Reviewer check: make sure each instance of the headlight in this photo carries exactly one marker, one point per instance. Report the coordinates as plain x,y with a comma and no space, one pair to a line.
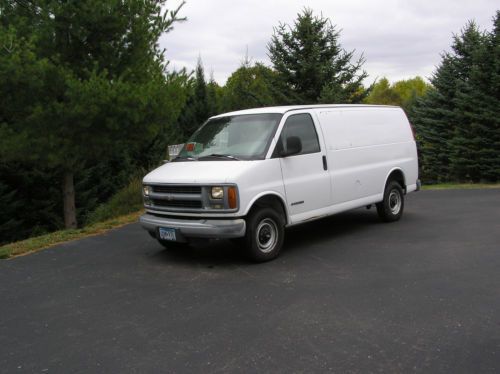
217,192
146,190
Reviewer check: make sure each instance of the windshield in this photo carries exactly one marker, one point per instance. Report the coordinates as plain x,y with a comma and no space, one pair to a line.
243,137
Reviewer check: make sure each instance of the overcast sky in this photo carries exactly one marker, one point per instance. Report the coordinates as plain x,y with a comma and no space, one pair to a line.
399,39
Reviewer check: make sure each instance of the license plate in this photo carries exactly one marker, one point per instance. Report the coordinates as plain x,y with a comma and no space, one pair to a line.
167,233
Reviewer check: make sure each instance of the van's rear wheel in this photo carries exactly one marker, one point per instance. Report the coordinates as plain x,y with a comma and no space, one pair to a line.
391,208
265,234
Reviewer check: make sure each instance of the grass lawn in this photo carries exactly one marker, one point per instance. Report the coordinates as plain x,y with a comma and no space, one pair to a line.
40,242
458,186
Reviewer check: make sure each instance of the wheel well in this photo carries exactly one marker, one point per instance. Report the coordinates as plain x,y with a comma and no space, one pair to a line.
271,201
398,176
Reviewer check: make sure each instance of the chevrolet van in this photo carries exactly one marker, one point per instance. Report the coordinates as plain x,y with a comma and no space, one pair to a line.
247,175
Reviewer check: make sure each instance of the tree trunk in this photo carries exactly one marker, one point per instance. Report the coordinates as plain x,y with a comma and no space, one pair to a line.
69,201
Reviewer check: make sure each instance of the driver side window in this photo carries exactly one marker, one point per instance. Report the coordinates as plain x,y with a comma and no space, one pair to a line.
301,126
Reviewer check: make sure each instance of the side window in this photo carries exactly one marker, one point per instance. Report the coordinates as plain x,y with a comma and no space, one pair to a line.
302,126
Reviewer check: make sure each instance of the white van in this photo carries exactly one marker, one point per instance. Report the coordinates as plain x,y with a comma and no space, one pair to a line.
247,175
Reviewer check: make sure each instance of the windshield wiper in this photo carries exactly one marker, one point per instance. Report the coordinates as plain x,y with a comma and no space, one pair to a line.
183,158
218,155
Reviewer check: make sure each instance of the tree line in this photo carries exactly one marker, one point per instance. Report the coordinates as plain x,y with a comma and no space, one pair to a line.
89,101
458,120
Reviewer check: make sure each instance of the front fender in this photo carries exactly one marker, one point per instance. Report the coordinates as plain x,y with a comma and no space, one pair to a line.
268,193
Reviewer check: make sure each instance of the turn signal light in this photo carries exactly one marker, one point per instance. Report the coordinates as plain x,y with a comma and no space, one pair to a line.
231,197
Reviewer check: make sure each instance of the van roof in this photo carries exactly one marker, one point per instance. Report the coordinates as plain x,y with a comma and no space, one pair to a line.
289,108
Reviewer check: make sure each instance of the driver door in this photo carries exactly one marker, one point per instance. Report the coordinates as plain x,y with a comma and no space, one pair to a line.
305,174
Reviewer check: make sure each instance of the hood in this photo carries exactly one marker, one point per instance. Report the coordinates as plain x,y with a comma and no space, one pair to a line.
200,172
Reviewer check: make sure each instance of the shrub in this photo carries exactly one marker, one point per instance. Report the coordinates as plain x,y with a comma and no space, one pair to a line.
126,200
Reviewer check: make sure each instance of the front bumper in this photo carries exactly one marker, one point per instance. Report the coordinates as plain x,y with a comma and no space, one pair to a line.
197,228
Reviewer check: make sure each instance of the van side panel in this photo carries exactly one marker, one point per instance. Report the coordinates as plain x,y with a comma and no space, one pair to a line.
363,146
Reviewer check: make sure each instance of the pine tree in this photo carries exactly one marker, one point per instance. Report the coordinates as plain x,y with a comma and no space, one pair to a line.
213,96
9,219
458,120
434,118
201,106
468,139
312,66
479,103
490,84
202,103
79,81
30,201
196,110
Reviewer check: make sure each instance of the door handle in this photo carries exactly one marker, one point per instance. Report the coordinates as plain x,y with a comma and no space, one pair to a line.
325,165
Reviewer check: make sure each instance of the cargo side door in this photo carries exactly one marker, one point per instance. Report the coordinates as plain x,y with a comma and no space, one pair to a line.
305,174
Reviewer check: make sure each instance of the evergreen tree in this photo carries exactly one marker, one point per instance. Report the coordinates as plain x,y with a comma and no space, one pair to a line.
198,108
434,119
467,140
476,144
458,120
30,203
80,81
9,218
177,91
312,66
490,87
213,97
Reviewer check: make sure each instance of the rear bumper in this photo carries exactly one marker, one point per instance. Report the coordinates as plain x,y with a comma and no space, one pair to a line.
198,228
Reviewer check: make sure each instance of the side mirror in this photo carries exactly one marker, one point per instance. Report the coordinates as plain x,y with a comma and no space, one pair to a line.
293,146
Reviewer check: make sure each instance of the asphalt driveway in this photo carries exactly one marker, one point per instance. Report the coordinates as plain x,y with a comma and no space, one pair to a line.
347,294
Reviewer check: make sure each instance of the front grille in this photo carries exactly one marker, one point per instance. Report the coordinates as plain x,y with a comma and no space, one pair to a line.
191,204
188,190
176,197
189,198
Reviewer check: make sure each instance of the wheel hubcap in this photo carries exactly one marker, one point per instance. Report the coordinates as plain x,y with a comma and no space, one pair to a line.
267,235
395,201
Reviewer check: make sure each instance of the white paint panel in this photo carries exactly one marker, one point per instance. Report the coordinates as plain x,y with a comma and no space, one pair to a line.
351,128
307,184
363,146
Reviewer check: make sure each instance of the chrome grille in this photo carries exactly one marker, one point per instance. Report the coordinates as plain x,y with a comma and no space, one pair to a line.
189,198
175,197
192,204
188,190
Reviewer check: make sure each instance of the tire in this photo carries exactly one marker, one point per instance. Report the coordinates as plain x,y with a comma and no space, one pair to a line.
391,208
265,234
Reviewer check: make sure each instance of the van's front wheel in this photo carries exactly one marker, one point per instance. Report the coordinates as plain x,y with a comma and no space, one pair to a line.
265,234
391,208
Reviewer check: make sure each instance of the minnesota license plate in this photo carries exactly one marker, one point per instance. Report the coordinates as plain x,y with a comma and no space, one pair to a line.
167,233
